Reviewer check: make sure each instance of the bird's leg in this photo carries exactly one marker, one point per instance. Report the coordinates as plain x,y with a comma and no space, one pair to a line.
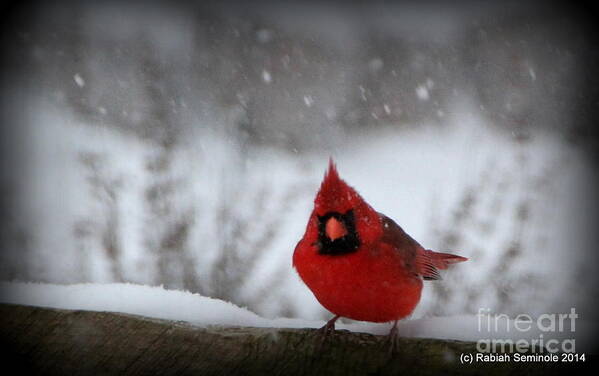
328,328
324,333
393,338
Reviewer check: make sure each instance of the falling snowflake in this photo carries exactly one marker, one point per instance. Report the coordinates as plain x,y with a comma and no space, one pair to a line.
532,74
308,100
422,92
79,80
266,76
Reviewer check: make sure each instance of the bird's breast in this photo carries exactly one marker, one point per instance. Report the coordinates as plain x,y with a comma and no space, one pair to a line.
372,284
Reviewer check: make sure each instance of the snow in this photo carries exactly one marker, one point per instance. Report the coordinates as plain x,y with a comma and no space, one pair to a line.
308,100
532,73
155,302
362,92
79,80
422,92
266,76
174,305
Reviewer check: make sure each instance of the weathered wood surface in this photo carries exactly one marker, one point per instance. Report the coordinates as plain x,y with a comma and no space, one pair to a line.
62,342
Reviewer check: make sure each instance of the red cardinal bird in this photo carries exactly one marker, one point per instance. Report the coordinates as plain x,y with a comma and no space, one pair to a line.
359,263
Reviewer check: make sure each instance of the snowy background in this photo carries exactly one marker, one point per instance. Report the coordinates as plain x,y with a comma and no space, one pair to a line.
182,145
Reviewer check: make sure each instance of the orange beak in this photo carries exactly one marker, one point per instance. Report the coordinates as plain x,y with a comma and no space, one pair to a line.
335,229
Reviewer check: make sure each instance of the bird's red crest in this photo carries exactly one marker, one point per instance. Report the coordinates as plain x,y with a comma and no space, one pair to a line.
335,195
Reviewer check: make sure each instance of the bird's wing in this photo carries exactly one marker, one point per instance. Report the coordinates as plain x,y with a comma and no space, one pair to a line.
417,259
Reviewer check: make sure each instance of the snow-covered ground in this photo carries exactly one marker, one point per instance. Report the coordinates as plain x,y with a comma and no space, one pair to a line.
157,302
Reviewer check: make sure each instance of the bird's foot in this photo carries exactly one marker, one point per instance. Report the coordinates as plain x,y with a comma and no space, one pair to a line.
393,339
328,329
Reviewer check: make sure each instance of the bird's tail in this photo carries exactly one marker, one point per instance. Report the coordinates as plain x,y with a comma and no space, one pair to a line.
428,262
442,260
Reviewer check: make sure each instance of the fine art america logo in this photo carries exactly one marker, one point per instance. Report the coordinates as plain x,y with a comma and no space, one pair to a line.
548,333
